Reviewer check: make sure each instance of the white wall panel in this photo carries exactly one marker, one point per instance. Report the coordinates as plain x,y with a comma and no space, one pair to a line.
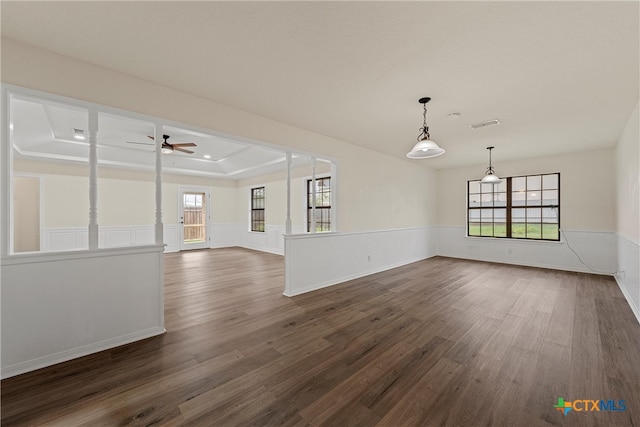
73,238
59,306
597,250
62,239
314,261
170,235
144,236
119,237
628,277
224,235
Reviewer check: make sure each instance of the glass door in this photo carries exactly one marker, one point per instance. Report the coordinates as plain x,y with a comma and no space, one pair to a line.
193,218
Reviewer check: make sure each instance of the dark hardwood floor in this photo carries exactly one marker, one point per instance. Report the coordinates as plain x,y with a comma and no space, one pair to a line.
438,342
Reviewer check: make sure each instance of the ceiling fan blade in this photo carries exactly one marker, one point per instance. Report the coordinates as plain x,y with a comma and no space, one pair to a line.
184,144
140,143
183,150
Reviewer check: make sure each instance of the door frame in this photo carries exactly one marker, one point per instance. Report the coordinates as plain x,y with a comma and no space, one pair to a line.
193,189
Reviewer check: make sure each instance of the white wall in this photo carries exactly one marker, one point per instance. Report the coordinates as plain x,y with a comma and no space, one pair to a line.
276,195
369,200
627,180
581,190
587,214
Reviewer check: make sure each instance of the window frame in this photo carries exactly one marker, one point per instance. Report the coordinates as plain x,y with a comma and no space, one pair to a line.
510,207
328,209
253,210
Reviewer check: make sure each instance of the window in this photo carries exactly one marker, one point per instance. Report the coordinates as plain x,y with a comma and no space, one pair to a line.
257,209
521,207
323,204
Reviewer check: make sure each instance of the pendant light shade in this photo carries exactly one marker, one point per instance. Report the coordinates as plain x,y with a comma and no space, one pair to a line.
425,147
490,176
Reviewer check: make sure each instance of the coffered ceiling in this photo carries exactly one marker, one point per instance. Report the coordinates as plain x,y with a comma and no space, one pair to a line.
52,131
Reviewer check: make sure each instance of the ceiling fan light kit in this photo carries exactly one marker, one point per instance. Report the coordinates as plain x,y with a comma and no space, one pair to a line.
79,134
425,147
490,176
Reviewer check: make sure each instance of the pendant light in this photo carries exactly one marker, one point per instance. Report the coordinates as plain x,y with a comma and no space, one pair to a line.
425,147
490,176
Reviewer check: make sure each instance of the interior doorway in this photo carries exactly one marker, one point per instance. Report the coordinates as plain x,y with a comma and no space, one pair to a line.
194,213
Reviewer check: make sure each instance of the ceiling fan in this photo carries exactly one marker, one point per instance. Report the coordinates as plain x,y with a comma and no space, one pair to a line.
166,146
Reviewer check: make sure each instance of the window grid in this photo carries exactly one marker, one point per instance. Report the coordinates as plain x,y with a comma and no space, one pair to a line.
257,209
323,204
521,207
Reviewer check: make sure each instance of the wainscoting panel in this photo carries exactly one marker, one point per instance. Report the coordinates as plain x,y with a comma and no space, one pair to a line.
314,261
628,276
66,305
74,238
224,235
170,235
145,236
119,237
63,240
595,248
271,240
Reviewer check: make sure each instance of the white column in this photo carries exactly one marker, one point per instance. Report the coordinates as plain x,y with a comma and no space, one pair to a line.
287,222
313,195
6,169
159,225
93,179
334,197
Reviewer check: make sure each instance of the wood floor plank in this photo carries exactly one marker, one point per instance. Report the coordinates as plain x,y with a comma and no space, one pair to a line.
438,342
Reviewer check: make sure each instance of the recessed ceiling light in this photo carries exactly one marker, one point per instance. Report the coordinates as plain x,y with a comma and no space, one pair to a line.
207,156
454,115
79,134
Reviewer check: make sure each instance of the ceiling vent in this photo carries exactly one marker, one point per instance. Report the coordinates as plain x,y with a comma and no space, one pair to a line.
485,124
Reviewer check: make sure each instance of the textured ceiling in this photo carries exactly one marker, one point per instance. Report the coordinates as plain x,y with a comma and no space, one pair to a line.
560,76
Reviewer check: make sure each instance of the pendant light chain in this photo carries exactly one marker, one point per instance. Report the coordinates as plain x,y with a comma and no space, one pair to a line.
490,166
424,130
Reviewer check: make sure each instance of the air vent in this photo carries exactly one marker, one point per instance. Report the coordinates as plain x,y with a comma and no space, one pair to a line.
485,124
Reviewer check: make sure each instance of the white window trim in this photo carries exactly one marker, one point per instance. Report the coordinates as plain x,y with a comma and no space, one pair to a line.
304,201
249,220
